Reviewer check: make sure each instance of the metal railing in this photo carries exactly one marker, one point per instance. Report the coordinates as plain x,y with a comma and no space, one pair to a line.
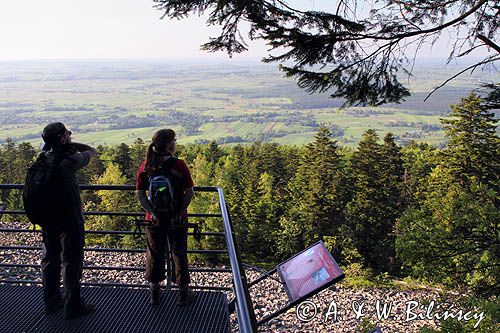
243,304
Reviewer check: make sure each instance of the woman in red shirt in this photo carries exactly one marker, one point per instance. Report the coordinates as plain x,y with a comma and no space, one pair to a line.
159,154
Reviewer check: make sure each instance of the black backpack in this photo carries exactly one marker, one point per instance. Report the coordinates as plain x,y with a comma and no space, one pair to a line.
44,197
165,191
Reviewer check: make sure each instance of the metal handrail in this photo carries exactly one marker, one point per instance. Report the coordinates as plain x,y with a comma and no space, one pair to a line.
106,232
245,315
106,249
121,268
94,213
247,321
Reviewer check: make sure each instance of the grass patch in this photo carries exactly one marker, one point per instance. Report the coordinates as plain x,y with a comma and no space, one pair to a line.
358,277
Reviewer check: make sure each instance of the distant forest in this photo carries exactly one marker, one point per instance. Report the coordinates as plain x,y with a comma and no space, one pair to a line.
416,210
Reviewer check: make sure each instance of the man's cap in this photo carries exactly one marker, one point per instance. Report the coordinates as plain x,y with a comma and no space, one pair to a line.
52,132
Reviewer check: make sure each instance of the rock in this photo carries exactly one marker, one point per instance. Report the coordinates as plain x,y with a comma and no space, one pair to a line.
267,296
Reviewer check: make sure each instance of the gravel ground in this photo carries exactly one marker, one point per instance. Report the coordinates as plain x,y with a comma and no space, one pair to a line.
335,307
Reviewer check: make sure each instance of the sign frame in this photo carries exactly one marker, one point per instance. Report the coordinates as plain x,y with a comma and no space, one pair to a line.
294,296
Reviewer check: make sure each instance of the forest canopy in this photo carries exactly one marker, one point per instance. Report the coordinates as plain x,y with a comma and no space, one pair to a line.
416,210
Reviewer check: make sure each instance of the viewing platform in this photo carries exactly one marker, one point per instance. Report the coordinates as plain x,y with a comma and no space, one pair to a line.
120,310
113,278
122,307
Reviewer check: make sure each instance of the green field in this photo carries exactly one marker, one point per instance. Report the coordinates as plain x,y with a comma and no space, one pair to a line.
109,103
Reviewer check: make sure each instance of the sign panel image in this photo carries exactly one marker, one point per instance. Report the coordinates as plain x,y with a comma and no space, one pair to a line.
309,272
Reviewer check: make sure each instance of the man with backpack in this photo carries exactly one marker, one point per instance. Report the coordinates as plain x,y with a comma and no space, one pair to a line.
52,200
170,190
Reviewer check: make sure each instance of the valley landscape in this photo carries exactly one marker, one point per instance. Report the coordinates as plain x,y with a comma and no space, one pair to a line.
113,101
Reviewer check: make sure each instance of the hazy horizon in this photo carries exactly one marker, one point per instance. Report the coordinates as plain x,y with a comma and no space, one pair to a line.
127,29
209,61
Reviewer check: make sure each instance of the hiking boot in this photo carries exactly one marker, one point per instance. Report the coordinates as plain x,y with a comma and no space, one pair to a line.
84,310
186,297
154,295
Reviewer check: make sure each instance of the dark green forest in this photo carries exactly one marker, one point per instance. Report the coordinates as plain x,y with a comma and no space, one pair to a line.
432,214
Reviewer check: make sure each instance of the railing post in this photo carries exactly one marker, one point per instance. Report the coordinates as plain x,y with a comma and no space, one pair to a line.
244,307
3,197
3,200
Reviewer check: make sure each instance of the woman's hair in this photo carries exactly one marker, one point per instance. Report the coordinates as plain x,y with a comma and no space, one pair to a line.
158,148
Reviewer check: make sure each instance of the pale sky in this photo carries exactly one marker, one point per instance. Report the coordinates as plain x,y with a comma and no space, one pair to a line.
79,29
36,29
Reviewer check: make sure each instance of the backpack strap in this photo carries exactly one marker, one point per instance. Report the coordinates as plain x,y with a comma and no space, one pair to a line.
58,158
41,157
169,163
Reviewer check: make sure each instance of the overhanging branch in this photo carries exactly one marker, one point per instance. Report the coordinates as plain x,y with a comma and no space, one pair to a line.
489,42
472,67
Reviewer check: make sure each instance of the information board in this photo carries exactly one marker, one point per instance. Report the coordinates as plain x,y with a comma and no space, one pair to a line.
309,272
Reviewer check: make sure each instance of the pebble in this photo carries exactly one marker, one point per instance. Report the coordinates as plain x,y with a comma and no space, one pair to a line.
267,296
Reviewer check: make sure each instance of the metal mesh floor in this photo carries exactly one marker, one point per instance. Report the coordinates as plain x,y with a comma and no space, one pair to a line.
117,310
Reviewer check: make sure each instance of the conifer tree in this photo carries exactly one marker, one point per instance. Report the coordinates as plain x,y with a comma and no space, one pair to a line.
377,173
201,172
94,169
268,211
272,162
230,179
208,203
418,160
15,159
213,152
19,157
317,195
3,165
9,158
112,201
123,159
363,211
137,155
453,235
392,173
473,150
234,167
250,222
